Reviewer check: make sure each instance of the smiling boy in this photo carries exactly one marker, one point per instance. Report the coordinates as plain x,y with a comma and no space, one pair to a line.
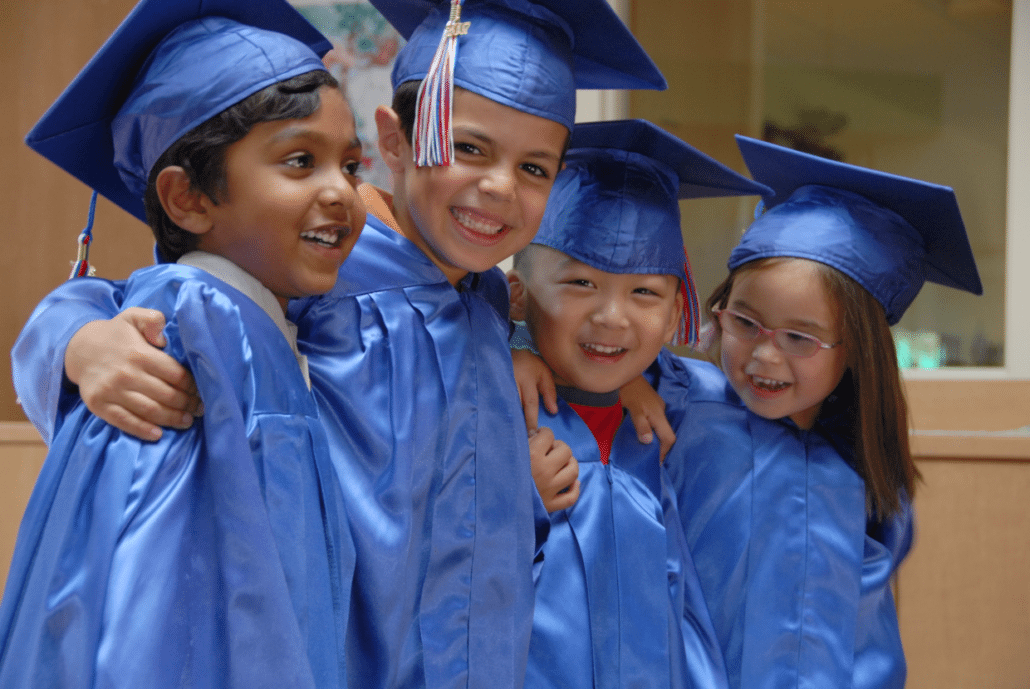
219,556
602,288
408,353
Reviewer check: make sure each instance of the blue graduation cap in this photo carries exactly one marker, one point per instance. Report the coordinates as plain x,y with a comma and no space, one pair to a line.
530,55
169,66
889,233
615,206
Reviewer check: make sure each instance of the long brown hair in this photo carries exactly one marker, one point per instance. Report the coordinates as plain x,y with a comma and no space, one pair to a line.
871,389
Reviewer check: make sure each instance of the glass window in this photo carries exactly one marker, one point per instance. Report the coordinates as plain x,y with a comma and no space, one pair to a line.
915,87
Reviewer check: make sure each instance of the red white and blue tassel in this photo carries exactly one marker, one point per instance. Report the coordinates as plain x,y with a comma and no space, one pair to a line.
687,333
81,267
433,140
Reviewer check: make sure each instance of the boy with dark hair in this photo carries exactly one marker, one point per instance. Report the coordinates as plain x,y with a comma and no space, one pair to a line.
409,353
602,288
219,556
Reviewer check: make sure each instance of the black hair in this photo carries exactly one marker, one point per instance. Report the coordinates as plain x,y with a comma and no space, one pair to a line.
201,151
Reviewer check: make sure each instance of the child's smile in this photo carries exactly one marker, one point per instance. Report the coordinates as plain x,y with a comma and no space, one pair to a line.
487,205
595,330
291,214
787,293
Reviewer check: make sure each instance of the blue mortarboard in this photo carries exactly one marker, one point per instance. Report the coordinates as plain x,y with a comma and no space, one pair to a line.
161,73
615,206
887,232
530,55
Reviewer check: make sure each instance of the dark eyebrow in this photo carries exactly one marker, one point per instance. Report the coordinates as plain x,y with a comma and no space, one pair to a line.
302,132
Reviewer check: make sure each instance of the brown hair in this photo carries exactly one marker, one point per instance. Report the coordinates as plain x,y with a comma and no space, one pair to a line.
870,391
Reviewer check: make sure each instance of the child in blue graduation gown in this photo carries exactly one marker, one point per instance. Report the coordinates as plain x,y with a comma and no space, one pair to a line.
408,353
219,556
602,288
791,464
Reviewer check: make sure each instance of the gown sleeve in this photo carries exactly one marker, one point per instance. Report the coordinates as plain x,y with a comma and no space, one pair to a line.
797,581
218,556
37,359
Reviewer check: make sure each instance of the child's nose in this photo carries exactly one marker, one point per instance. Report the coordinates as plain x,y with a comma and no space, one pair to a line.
765,349
337,189
611,314
499,181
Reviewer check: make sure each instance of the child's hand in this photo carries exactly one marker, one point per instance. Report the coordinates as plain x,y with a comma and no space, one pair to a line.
535,382
125,380
647,412
555,470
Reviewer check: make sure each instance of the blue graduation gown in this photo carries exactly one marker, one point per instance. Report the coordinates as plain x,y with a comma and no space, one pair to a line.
618,601
414,386
797,582
219,556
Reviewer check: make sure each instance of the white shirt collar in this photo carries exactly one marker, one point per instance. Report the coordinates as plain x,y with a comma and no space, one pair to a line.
230,273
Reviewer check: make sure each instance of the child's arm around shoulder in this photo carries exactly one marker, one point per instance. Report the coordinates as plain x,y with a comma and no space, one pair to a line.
71,322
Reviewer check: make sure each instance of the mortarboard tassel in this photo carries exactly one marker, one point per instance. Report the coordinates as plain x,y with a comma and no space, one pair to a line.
81,267
433,141
687,333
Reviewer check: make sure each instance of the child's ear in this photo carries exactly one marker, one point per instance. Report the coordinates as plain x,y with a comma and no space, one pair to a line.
186,207
392,141
517,296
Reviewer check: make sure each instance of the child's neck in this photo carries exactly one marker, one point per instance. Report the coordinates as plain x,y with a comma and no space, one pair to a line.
380,204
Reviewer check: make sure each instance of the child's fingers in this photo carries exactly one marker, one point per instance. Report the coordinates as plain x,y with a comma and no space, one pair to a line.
149,322
548,392
565,500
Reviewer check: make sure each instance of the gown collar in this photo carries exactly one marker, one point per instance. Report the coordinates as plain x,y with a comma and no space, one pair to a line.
234,276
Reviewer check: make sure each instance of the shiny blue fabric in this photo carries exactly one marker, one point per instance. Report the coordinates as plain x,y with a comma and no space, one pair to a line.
618,602
219,556
414,387
414,382
797,581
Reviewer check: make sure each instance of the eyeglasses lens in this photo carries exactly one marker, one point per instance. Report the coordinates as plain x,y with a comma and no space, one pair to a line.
789,341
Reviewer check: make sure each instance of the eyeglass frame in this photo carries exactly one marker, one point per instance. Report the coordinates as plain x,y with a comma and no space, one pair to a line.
771,334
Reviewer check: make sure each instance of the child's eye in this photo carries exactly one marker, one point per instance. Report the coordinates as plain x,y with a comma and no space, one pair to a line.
301,160
647,291
352,168
464,147
798,338
580,282
536,170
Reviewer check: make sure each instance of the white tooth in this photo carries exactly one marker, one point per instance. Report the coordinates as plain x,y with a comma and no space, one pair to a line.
603,349
476,224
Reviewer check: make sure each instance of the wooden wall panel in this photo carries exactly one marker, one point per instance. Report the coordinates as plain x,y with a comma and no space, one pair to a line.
964,592
43,45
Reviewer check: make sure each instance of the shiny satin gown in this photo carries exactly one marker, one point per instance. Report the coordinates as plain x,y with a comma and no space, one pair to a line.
414,387
797,581
219,556
618,601
414,382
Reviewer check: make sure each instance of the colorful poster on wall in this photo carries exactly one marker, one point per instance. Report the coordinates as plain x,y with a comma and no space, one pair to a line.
364,47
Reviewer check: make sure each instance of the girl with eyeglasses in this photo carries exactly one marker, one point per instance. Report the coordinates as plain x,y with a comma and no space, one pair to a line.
791,464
